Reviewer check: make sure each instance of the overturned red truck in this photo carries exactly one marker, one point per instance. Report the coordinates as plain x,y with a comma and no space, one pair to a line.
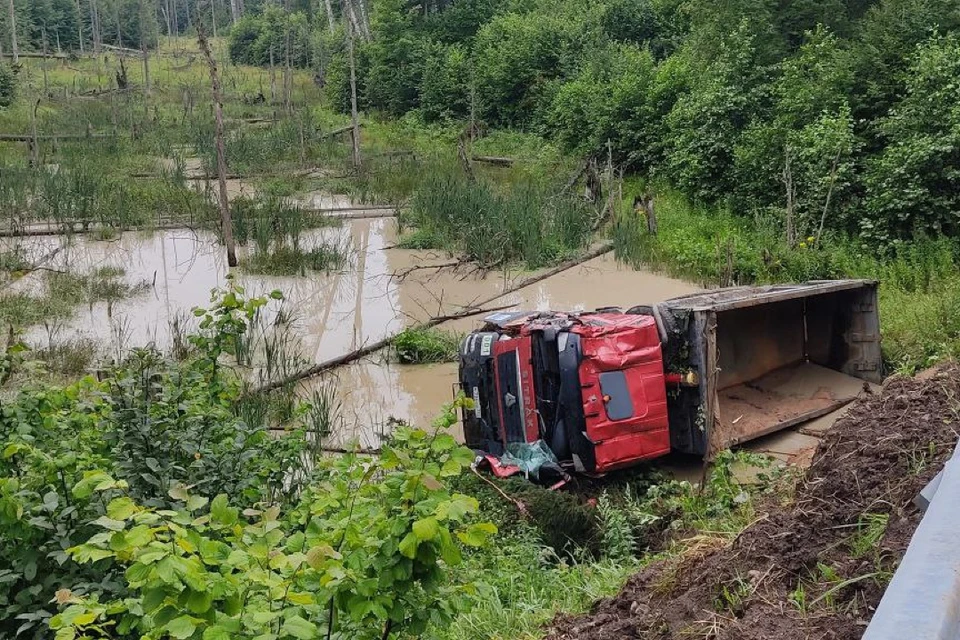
606,389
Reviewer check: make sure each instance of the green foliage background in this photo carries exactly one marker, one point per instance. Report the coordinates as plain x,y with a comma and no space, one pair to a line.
855,99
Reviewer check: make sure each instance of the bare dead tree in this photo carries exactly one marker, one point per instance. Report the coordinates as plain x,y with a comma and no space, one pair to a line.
95,28
791,189
273,79
13,32
43,64
35,140
146,59
235,10
826,202
331,21
287,71
465,157
79,26
354,115
225,220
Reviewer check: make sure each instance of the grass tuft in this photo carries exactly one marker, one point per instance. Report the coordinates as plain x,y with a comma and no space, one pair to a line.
418,346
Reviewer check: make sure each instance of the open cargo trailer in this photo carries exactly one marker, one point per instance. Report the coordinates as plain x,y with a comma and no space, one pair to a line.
768,357
693,374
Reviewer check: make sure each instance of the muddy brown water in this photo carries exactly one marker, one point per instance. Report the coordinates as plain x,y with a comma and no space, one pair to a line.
380,291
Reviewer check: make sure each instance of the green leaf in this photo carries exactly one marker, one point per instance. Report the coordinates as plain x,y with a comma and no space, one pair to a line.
408,546
153,598
276,294
450,468
443,442
13,449
182,627
298,597
316,555
300,628
463,455
137,572
221,512
121,508
216,632
89,553
196,502
199,601
139,536
109,523
449,551
179,492
426,529
477,534
457,507
85,618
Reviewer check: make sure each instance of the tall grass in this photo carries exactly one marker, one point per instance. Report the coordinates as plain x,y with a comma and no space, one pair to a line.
527,222
62,292
276,229
79,192
418,345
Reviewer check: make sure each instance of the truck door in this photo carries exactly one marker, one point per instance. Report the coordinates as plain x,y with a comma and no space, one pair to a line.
515,393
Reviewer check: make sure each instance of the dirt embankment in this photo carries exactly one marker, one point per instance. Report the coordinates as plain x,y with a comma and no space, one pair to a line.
815,568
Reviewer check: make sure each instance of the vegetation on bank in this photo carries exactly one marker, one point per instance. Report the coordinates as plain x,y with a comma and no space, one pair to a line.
147,503
421,346
919,303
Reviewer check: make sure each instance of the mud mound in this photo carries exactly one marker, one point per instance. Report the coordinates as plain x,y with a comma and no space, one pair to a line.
813,569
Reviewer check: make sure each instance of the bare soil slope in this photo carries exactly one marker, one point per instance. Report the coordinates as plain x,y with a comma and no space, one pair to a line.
827,541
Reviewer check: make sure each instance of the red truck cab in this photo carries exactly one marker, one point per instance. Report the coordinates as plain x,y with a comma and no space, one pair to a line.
590,385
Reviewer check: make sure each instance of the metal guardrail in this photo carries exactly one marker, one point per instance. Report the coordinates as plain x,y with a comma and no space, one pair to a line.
922,601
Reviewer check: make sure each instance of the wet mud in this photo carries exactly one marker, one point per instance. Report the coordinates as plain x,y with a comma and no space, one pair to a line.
865,466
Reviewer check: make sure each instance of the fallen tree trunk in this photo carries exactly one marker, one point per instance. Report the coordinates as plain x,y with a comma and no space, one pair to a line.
54,231
52,56
495,160
476,309
340,131
26,137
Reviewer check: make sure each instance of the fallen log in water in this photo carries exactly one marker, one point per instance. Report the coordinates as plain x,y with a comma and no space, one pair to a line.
27,137
477,309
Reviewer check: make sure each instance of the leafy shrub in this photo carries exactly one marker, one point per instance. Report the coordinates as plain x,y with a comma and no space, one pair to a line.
260,39
446,88
517,55
914,185
8,86
364,554
607,102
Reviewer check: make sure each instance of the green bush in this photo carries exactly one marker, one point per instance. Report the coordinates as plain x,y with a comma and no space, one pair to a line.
914,184
256,39
516,56
8,86
607,102
104,511
445,89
